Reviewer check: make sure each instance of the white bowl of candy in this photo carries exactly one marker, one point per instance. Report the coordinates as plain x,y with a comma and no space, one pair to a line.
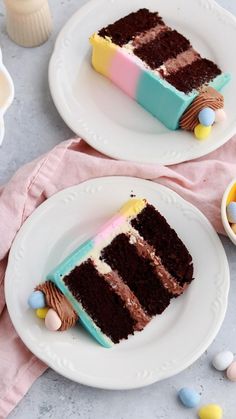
6,94
228,211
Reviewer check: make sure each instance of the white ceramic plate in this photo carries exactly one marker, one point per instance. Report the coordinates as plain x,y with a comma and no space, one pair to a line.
6,94
104,116
172,341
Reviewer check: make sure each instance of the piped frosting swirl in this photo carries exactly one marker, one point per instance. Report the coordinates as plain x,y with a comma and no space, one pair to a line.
58,302
208,97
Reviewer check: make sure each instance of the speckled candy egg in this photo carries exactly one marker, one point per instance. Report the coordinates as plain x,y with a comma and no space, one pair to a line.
189,397
211,411
201,132
231,372
52,320
220,115
206,117
231,212
37,300
223,360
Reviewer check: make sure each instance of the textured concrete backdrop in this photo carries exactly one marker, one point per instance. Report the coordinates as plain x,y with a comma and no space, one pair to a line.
33,126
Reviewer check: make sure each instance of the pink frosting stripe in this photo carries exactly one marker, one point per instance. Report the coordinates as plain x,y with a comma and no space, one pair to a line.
124,72
107,228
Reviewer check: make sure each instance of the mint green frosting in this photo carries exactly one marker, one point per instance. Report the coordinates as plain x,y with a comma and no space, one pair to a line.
56,276
86,321
73,259
220,81
164,101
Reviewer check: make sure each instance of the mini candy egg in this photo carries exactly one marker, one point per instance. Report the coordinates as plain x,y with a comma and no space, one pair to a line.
233,226
231,212
52,320
220,115
211,411
201,132
189,398
206,117
36,300
231,372
42,312
222,360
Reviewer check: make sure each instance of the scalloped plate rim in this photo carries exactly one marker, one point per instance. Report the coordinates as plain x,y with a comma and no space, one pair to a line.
88,379
90,136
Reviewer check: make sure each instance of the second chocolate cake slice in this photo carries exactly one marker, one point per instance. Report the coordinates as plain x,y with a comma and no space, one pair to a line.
128,273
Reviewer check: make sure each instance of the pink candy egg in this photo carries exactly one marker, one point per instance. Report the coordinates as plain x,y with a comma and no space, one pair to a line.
220,115
231,372
52,320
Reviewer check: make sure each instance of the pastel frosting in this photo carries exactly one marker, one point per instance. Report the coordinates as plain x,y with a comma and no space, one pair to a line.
144,85
96,278
92,247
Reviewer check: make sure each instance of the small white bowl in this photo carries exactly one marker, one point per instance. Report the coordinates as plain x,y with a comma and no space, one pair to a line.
229,195
6,94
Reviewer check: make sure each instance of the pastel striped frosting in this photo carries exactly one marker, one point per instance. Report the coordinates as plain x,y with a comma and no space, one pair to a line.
92,249
153,67
122,257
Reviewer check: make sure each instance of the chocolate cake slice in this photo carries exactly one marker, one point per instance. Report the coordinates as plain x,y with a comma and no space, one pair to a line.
154,64
128,273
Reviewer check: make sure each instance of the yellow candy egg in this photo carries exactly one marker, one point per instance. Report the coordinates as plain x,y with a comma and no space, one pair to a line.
42,312
211,411
201,132
233,226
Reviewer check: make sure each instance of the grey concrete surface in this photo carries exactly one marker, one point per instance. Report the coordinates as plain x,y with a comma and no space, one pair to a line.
33,126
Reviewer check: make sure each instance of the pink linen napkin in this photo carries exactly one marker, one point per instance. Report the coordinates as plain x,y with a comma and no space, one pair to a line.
202,182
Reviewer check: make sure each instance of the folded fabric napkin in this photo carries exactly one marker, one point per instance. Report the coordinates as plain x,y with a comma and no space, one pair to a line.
202,182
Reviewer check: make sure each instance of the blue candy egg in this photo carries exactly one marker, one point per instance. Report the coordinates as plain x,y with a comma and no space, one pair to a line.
189,397
206,117
37,300
231,212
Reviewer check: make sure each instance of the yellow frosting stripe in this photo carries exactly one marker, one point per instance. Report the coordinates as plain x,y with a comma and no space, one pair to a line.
103,52
232,195
132,207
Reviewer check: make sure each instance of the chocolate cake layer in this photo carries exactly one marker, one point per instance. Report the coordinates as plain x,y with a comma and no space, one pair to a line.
130,301
99,300
153,227
193,76
167,44
126,28
138,273
147,251
162,49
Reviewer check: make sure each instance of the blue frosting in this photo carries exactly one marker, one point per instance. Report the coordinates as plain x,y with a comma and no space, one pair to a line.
86,321
164,101
72,260
57,275
220,81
